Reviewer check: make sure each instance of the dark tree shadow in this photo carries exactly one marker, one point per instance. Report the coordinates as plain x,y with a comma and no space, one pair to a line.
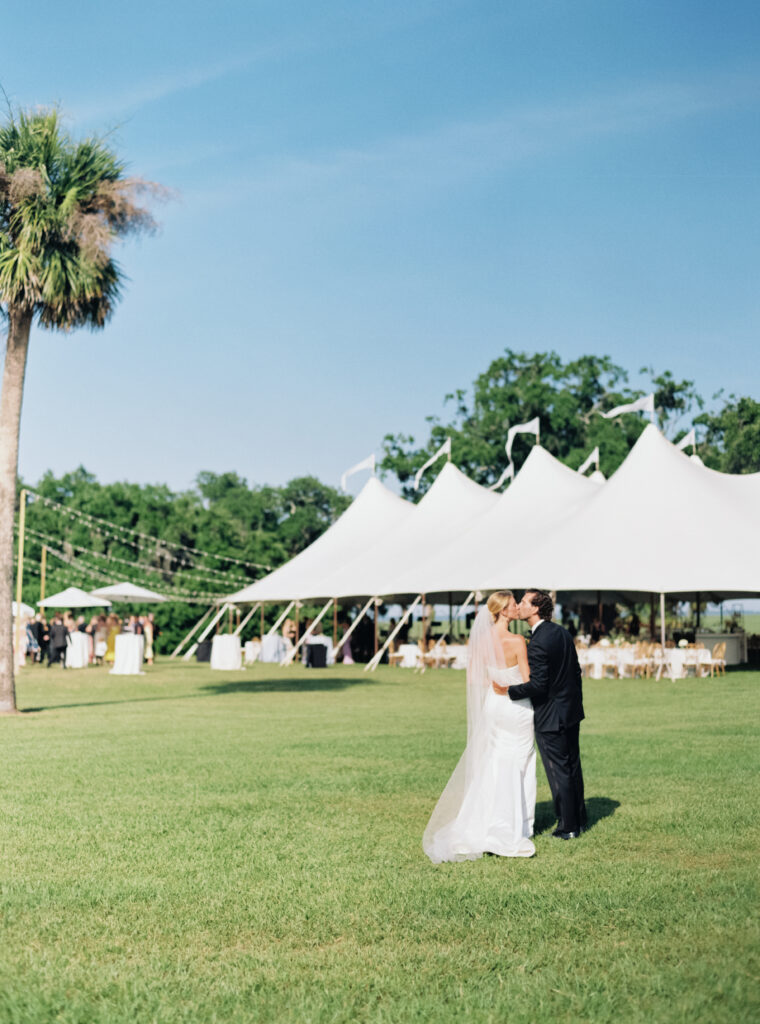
314,683
597,807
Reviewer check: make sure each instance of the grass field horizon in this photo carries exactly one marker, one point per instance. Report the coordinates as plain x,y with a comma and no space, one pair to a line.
203,846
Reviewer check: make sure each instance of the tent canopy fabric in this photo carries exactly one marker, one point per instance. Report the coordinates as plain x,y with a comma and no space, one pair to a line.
375,513
73,597
128,593
543,493
26,610
661,524
451,505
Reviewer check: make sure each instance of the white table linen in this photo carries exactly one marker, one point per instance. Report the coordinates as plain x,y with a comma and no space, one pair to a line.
128,655
78,650
226,653
251,651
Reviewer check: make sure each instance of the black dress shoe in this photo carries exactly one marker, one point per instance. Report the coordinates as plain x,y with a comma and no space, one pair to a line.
565,835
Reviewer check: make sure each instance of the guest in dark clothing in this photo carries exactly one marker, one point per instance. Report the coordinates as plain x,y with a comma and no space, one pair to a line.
58,642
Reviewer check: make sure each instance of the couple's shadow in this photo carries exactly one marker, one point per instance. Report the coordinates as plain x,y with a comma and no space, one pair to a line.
597,807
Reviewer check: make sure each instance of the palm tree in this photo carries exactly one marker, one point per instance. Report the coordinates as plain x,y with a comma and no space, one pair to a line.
63,204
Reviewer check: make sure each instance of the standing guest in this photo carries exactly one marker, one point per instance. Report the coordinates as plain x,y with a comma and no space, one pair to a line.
38,629
136,626
59,639
114,628
81,624
100,639
148,631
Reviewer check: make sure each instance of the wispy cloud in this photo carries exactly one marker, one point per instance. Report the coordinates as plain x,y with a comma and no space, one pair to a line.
463,150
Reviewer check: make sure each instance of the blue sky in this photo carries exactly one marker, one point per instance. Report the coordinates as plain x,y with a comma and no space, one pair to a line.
373,200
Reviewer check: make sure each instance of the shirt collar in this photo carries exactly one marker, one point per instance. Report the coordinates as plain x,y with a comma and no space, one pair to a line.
539,623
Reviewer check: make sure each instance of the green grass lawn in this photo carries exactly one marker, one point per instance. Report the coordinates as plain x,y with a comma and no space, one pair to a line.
223,847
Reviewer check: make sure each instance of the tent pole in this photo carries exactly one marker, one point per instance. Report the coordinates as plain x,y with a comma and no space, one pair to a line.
298,618
261,631
199,623
335,620
352,627
662,621
401,622
290,656
451,616
278,623
214,622
374,616
241,625
697,614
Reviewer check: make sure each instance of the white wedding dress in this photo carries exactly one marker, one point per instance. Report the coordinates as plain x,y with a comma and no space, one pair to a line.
489,804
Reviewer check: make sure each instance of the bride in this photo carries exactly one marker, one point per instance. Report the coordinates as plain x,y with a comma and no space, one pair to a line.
489,803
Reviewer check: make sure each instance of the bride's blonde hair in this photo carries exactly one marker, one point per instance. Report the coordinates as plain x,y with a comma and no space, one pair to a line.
498,601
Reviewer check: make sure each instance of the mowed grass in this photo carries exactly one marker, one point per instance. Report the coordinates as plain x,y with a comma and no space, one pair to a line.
226,847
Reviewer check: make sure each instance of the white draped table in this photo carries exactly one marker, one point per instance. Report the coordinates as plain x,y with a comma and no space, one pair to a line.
78,650
128,655
226,654
252,651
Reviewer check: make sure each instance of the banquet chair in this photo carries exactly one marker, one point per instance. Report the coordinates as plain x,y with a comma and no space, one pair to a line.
717,660
642,660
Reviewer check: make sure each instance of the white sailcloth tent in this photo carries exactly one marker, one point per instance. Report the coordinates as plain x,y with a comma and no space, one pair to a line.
661,524
451,505
375,514
543,494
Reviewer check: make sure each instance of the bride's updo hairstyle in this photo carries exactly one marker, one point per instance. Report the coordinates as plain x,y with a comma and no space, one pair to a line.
498,601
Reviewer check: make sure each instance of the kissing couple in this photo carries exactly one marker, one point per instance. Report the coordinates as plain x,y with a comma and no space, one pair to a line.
516,693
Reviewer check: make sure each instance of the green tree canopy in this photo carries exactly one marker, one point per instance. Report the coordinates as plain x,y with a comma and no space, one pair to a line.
566,396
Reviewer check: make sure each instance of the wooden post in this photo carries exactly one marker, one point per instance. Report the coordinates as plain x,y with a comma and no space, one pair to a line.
20,570
335,621
237,621
43,570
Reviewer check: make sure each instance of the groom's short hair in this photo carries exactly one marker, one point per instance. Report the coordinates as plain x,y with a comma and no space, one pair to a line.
542,602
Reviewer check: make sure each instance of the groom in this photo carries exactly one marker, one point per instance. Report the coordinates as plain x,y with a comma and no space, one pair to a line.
554,688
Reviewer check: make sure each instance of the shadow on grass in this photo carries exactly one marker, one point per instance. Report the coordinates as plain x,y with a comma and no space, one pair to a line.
314,683
597,807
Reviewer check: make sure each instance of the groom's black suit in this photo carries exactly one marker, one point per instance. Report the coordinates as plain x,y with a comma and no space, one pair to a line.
555,690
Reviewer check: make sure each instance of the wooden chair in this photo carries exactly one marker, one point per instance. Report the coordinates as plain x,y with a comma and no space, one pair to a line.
717,660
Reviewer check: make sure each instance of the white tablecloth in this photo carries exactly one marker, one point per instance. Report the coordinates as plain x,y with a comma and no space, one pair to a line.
226,653
128,655
78,650
251,651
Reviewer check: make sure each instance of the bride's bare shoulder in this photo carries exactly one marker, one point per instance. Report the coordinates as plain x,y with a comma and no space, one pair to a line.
514,642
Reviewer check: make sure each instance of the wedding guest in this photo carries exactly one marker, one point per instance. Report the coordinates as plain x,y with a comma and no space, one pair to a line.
59,639
147,624
274,648
100,639
114,628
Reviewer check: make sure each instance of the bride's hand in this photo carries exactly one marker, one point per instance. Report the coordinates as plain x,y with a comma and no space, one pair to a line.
501,690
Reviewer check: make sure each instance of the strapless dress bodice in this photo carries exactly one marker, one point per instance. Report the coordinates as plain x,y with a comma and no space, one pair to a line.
506,676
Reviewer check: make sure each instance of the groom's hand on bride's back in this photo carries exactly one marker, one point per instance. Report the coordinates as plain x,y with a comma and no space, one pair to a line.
501,690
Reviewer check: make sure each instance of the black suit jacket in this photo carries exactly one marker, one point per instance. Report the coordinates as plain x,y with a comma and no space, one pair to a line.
554,686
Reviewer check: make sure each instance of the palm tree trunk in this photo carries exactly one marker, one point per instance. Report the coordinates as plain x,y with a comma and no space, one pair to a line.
17,346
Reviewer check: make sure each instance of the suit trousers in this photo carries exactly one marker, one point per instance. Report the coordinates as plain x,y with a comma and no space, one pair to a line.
560,753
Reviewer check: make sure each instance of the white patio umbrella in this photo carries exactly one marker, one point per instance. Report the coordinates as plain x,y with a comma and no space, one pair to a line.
73,597
128,593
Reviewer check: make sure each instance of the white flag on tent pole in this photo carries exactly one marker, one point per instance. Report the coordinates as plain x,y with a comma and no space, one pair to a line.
368,463
508,474
522,428
593,458
645,404
690,439
445,449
